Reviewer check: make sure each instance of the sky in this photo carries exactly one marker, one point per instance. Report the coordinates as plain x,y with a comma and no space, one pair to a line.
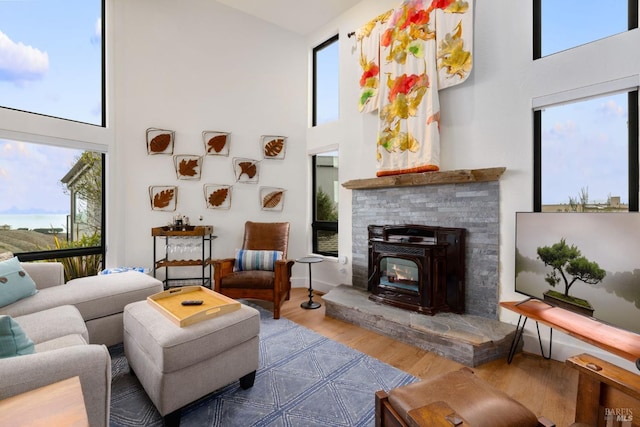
49,63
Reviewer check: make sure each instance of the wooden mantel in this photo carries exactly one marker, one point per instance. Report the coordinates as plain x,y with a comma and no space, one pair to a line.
426,178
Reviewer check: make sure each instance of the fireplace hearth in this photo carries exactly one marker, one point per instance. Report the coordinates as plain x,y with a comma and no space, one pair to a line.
417,267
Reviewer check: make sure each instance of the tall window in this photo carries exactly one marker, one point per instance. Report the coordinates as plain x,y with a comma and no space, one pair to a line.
325,203
51,205
326,74
52,58
586,155
561,25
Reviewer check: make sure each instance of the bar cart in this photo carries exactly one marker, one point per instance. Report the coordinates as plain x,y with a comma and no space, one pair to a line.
180,245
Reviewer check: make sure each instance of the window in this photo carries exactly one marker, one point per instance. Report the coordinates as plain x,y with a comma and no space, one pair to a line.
325,203
325,82
51,202
586,155
561,25
52,58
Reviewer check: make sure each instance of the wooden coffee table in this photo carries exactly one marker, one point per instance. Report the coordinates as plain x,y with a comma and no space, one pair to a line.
58,404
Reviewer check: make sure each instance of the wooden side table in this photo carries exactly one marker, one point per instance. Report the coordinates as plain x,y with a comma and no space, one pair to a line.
311,304
58,404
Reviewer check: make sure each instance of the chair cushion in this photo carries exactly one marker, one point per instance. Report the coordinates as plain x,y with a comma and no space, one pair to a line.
13,340
255,279
15,283
247,260
473,399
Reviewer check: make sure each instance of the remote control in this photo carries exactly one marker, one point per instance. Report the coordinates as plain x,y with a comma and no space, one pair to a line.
192,302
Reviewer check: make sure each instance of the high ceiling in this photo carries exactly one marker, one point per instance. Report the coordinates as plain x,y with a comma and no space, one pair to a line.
299,16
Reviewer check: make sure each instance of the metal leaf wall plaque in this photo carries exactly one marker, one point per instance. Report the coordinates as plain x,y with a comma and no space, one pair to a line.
216,143
160,141
273,146
217,196
163,197
271,198
188,166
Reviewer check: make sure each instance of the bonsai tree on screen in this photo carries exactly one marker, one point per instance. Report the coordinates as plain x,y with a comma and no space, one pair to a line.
568,266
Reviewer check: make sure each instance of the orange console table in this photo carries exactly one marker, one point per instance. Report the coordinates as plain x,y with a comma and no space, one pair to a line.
614,340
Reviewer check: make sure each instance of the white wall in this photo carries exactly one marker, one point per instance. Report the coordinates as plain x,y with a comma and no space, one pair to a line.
486,121
197,65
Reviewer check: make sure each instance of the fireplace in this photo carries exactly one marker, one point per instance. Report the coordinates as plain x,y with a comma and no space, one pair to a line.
417,267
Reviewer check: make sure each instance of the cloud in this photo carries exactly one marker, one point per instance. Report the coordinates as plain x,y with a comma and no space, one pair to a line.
559,130
610,109
20,63
96,38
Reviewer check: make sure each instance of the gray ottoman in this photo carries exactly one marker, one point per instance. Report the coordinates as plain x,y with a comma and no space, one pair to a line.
177,366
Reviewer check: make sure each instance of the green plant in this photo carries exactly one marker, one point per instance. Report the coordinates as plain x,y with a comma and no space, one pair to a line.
568,265
326,210
79,266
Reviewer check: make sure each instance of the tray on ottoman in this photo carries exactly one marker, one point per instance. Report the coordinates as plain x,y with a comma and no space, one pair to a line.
169,303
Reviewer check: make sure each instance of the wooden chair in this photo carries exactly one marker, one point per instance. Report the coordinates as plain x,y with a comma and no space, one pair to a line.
608,395
456,398
268,285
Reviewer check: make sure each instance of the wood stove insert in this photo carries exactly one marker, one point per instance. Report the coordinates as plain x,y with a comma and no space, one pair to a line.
417,267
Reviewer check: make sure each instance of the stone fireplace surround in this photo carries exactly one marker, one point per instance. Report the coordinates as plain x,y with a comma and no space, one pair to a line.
466,199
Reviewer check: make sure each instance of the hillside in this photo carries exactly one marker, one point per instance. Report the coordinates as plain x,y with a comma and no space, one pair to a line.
24,241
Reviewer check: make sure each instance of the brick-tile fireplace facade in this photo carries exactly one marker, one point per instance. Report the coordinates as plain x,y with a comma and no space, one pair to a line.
473,206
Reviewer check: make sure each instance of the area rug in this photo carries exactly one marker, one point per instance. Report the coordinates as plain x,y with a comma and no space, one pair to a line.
304,379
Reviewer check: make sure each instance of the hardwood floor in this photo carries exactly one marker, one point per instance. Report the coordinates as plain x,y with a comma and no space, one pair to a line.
546,387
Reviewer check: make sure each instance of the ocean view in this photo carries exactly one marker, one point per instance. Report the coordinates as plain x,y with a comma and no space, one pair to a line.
31,221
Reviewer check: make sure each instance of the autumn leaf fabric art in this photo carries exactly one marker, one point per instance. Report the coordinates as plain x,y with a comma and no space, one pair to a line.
425,46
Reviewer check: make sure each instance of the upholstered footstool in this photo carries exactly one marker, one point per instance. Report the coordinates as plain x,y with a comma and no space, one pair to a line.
177,366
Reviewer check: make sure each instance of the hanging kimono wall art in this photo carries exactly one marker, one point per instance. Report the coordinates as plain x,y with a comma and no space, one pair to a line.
425,46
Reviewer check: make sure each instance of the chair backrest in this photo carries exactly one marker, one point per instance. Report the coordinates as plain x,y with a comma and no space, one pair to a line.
266,236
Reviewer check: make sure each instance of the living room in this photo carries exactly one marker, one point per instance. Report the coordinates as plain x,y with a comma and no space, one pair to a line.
201,65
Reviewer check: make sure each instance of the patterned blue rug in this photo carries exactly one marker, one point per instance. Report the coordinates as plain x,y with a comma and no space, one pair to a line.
304,379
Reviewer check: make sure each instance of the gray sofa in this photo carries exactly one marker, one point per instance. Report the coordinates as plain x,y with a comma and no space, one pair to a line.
100,299
71,324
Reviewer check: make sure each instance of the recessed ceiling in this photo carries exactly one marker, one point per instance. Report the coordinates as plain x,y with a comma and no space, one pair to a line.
299,16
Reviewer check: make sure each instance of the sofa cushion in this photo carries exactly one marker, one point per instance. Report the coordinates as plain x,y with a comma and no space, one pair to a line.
13,340
15,283
53,323
95,297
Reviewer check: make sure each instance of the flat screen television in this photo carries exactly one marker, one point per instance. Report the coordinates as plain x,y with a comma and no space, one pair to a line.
596,258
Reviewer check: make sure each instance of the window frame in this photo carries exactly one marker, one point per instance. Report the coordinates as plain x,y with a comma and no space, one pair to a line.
317,226
314,77
632,23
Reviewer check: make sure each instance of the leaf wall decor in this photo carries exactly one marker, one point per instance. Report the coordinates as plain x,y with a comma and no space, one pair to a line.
273,146
163,197
246,170
217,196
160,141
271,198
216,143
188,166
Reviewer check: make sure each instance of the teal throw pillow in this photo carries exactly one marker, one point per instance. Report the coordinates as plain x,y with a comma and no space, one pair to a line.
13,340
15,283
256,260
